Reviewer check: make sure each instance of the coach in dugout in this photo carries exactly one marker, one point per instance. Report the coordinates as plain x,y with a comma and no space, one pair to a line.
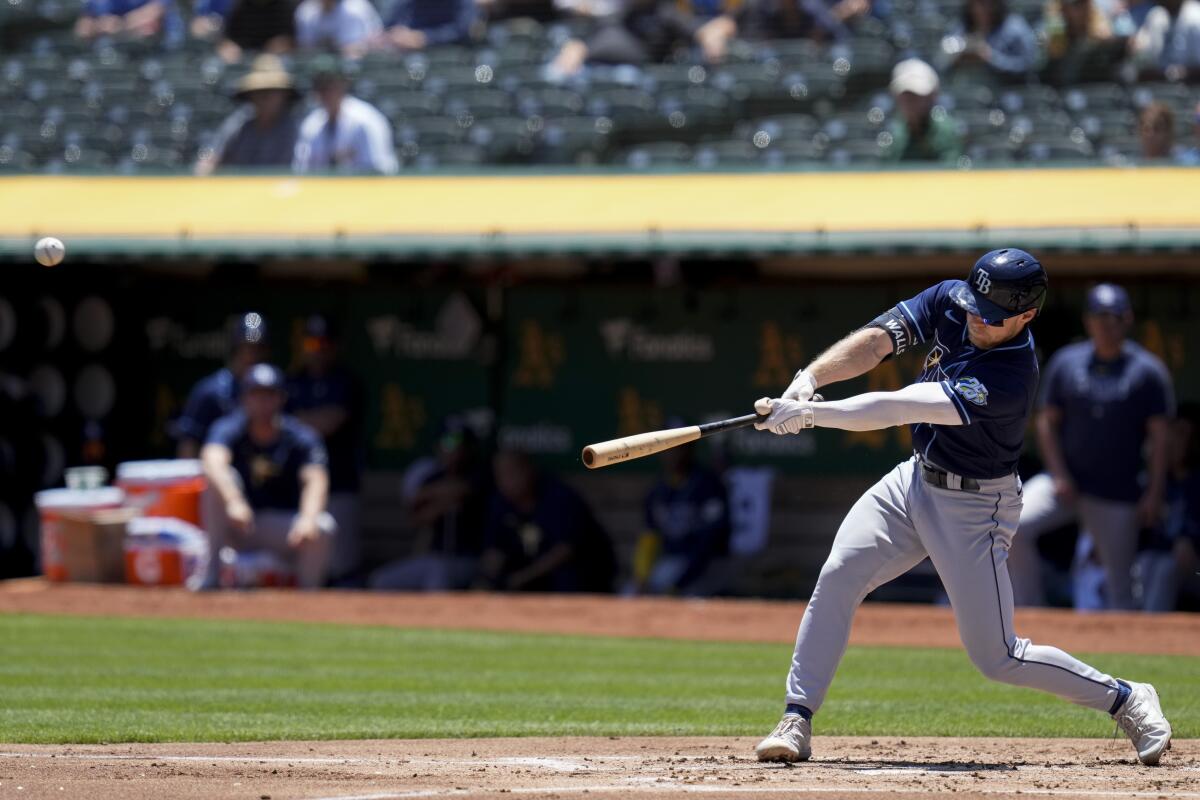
1105,402
268,482
217,394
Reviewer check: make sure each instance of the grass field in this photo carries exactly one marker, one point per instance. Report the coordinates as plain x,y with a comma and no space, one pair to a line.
75,679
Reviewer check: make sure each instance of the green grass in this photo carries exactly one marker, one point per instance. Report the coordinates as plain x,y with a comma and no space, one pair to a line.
75,679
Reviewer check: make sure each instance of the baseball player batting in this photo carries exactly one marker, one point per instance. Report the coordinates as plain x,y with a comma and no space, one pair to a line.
957,500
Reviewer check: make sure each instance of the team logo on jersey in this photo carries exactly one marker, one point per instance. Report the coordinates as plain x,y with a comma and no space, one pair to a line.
971,390
934,357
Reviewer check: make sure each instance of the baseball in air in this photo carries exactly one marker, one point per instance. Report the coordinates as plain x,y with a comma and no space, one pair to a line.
49,251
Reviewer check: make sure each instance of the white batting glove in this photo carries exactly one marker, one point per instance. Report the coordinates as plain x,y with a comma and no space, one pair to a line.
785,416
802,387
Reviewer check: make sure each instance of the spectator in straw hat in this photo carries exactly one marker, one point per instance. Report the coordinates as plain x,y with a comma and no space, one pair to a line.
261,134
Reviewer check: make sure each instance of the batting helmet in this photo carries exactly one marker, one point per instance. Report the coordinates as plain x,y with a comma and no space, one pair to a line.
1003,284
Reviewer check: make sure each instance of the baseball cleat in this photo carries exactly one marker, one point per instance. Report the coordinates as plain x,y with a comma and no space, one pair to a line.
1142,719
790,741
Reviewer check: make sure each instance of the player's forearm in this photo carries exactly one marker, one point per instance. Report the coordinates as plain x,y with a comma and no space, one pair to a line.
217,468
314,493
1047,434
1156,464
855,355
921,402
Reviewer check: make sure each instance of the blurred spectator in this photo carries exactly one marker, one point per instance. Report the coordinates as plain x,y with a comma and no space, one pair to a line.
266,26
416,24
596,9
921,131
541,536
1104,402
1156,132
343,134
542,10
821,20
1080,46
325,397
133,18
262,132
1168,42
217,395
1174,557
268,482
991,41
647,31
341,26
687,529
1191,155
449,511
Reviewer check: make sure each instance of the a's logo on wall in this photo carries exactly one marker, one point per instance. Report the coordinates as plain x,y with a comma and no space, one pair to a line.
779,357
540,354
401,417
635,414
971,390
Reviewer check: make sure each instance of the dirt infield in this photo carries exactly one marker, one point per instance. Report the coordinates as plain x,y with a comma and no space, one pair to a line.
843,767
717,620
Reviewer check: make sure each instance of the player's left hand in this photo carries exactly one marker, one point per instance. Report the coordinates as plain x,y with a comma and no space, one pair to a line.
786,416
304,529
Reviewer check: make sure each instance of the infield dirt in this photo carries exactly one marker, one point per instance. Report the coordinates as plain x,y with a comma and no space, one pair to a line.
843,767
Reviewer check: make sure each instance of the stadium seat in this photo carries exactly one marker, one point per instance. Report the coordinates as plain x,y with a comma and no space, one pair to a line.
655,155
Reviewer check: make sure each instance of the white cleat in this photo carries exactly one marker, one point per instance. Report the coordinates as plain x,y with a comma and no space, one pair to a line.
1143,722
790,741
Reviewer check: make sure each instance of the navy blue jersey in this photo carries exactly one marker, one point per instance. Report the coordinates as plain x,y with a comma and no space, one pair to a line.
270,473
336,389
560,517
994,390
693,517
1105,406
210,399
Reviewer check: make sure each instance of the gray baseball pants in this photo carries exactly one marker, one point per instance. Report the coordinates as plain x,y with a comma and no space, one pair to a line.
966,534
1112,524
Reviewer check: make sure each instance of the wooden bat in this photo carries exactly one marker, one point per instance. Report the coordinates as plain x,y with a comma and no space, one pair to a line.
615,451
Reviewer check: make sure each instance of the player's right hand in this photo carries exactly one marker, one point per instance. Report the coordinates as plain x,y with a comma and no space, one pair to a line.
787,416
241,516
1064,489
802,387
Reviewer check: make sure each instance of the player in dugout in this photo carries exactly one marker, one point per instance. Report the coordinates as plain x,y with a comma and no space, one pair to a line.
217,394
1104,402
268,480
957,501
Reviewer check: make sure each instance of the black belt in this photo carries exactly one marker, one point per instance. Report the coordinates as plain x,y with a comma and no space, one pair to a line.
947,480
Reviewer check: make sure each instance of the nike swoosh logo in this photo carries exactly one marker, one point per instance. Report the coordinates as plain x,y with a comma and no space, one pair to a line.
950,317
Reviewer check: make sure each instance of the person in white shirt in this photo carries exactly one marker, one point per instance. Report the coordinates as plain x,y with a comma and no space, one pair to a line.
1168,43
343,26
343,134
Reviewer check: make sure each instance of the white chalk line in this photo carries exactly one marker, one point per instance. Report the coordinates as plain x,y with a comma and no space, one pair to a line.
689,788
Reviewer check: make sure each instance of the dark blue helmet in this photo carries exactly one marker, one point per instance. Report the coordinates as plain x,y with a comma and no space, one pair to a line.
1002,284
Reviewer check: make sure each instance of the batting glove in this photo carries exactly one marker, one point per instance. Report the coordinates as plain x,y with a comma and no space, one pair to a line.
784,416
802,387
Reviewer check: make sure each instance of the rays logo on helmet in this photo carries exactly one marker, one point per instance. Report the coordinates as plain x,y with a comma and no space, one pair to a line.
983,281
971,390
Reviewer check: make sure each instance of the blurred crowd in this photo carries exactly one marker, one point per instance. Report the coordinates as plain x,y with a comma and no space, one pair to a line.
283,455
1070,43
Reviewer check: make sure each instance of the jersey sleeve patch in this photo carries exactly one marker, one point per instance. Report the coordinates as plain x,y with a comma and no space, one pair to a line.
971,390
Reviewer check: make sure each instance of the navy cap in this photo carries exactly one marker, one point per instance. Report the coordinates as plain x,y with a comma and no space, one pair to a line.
263,376
1108,298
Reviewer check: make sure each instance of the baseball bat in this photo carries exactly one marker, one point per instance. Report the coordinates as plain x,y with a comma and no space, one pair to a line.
614,451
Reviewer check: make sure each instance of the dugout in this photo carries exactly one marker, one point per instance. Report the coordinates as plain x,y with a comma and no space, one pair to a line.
559,309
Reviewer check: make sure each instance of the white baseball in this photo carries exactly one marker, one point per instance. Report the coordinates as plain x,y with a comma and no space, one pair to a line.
49,251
